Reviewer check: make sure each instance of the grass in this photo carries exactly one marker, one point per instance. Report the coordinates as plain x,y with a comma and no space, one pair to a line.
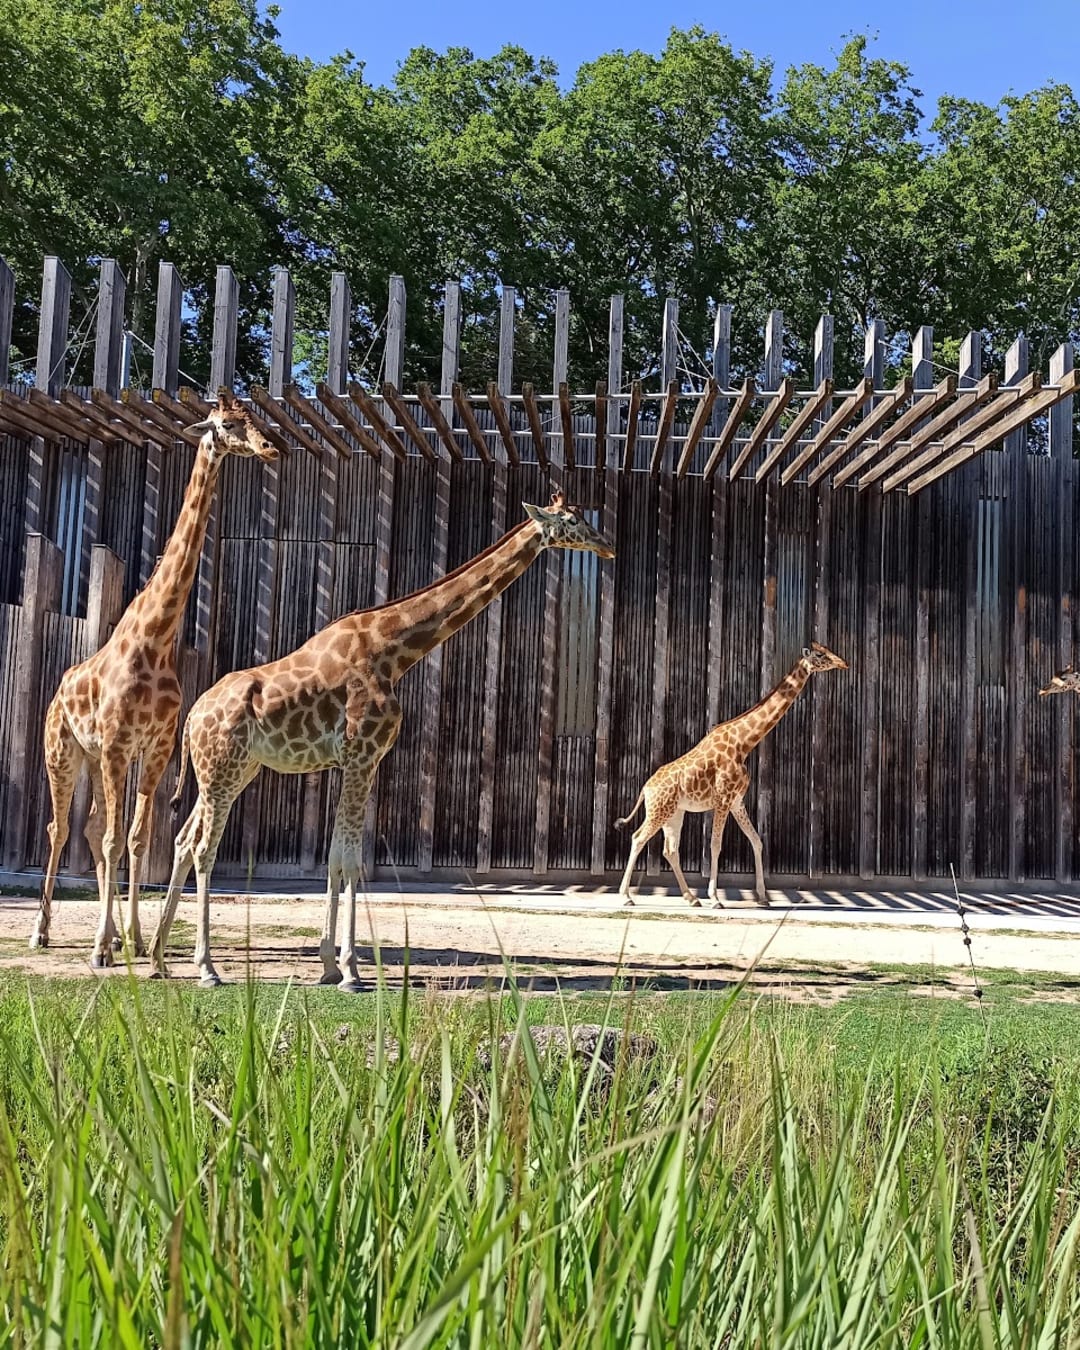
259,1167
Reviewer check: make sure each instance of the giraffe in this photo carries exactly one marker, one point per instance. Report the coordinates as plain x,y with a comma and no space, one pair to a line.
331,703
713,777
123,702
1066,681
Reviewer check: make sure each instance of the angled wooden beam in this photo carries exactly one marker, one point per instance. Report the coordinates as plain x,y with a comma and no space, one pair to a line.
601,410
766,422
82,428
137,429
632,426
888,407
412,428
1029,407
698,423
192,399
371,411
663,429
472,426
149,411
33,421
566,417
966,401
502,419
813,406
288,424
847,410
430,405
344,414
738,410
106,429
920,408
330,434
173,408
1028,388
532,412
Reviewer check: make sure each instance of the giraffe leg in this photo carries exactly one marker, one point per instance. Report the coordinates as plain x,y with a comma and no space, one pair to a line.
63,760
719,820
95,822
183,858
638,840
742,819
355,790
327,943
214,816
114,769
154,762
672,833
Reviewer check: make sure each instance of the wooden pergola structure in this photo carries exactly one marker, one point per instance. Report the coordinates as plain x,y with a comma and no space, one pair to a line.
894,439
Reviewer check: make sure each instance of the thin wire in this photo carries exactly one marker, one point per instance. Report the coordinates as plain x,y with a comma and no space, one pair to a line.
85,338
966,931
371,346
186,374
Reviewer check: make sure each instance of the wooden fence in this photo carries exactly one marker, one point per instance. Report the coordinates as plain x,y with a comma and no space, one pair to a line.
530,731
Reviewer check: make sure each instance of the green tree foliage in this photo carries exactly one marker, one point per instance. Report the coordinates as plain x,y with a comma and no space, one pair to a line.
181,129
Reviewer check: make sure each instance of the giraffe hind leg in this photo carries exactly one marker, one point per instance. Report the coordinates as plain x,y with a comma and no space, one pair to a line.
653,821
742,819
63,760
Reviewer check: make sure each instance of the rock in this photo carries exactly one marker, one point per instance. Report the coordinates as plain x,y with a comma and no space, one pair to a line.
587,1040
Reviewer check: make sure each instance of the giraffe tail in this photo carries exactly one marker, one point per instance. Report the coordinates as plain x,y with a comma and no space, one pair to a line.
633,811
174,800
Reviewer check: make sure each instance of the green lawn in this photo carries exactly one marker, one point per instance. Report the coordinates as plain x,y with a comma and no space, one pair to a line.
256,1166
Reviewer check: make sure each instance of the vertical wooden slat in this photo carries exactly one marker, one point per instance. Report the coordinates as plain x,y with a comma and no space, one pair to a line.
771,375
820,769
337,361
493,647
874,353
922,371
967,494
42,575
226,315
170,294
1017,672
1064,466
559,370
53,327
384,528
922,358
1061,414
1016,367
669,342
109,334
281,333
870,660
7,311
91,516
823,349
718,639
661,630
394,360
549,638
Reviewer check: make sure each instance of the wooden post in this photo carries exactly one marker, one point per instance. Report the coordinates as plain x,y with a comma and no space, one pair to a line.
669,355
7,311
507,315
281,333
874,370
394,360
1016,367
53,327
605,654
966,492
970,371
823,370
922,371
226,316
661,625
170,293
922,358
823,349
42,575
109,336
1064,465
104,606
337,365
91,516
560,367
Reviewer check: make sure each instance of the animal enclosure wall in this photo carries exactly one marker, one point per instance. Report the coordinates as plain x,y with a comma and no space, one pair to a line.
535,727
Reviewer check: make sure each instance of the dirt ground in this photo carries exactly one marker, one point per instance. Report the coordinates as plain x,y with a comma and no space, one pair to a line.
815,945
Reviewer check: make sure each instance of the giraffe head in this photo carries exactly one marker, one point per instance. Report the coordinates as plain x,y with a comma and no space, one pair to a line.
1066,681
229,429
563,526
817,658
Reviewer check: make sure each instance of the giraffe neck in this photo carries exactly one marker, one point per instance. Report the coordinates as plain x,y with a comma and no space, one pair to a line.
755,724
414,626
158,609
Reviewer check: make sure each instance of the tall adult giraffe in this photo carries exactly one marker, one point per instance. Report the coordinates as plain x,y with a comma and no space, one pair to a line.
331,703
713,777
123,702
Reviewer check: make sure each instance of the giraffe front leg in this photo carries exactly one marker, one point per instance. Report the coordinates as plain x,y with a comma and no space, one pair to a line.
113,772
672,832
142,827
355,790
720,815
328,942
742,819
183,858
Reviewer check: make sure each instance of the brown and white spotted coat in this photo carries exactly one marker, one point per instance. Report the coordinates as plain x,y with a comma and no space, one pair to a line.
123,702
1066,681
713,777
331,704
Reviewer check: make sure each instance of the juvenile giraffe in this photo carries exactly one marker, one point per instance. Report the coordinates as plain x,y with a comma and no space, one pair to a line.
124,701
331,703
1066,681
713,777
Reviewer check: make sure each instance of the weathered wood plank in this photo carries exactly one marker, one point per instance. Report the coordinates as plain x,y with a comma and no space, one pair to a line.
109,334
609,527
7,312
663,429
632,414
226,318
492,655
170,295
661,633
53,327
337,356
283,315
727,435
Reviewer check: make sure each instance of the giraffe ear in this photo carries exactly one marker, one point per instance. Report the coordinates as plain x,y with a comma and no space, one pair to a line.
807,652
558,500
536,513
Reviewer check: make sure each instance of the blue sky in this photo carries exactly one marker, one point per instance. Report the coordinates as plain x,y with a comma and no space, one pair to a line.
979,51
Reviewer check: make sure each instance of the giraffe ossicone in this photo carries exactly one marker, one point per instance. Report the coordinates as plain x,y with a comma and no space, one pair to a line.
331,704
122,704
713,777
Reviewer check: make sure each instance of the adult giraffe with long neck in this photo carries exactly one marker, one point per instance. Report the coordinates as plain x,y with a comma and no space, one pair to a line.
331,703
123,702
713,777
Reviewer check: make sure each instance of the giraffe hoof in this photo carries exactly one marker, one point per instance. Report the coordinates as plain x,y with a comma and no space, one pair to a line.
211,980
158,973
761,900
38,940
102,960
718,904
331,977
117,944
629,902
693,901
350,986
